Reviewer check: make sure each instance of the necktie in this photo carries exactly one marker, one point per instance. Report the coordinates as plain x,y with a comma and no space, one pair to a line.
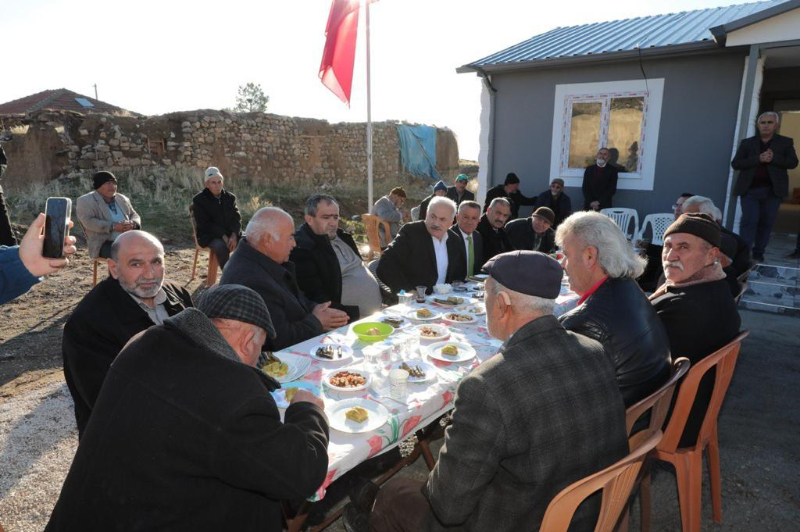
470,255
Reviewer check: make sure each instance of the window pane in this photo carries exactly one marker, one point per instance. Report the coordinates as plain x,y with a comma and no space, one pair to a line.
625,131
584,133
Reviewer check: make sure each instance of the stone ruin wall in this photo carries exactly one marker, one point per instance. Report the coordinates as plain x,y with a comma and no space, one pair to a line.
258,147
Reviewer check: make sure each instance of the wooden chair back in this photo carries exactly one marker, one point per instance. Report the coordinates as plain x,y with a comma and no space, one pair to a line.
657,403
211,277
616,482
95,262
373,224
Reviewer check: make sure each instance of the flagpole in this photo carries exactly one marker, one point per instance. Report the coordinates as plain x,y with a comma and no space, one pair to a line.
369,121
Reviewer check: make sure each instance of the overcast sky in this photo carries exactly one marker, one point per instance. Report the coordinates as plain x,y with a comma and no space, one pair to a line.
160,56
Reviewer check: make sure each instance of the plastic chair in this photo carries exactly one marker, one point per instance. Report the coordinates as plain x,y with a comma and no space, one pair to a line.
373,224
743,286
213,265
623,217
415,214
658,225
616,482
688,461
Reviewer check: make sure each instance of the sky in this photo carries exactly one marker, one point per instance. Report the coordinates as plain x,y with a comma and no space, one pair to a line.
161,56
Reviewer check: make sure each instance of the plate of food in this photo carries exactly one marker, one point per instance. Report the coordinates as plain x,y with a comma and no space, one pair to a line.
451,301
451,352
460,318
398,322
418,371
283,396
287,368
349,380
331,352
355,416
477,309
422,314
433,332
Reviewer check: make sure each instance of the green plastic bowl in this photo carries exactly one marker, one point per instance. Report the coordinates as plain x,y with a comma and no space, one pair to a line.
362,328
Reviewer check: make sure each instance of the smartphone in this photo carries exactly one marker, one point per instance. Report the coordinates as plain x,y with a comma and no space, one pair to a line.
57,213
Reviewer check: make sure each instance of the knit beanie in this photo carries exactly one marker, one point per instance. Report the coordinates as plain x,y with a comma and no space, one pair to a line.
440,186
101,178
698,224
511,179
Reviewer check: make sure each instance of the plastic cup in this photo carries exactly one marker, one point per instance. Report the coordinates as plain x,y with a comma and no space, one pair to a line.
398,379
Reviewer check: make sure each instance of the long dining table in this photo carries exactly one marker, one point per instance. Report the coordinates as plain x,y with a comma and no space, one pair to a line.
424,403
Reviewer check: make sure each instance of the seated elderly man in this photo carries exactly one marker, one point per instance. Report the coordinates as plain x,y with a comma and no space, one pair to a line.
186,435
425,253
695,304
134,297
390,209
440,189
492,229
328,264
105,215
544,412
602,269
217,217
469,215
556,200
534,233
458,192
261,262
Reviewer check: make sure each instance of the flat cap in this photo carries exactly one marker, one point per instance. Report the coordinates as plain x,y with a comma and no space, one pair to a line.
546,214
698,224
558,180
527,272
238,303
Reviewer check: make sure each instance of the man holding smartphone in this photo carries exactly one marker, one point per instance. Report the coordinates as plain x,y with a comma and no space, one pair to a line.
105,215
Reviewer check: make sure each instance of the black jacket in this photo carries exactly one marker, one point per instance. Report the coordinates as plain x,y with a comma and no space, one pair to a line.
185,439
99,327
494,242
516,199
621,318
699,319
317,268
215,217
746,161
453,195
521,236
423,207
599,188
737,250
561,206
288,307
410,260
477,248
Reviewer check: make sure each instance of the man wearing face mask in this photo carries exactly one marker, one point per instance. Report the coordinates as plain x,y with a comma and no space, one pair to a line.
134,297
557,201
599,183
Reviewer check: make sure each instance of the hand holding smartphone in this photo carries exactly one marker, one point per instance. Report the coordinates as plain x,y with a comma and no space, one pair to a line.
56,226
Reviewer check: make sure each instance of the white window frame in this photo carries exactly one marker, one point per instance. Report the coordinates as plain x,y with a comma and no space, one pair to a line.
566,95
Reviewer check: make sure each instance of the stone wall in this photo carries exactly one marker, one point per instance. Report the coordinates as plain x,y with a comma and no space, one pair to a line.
254,146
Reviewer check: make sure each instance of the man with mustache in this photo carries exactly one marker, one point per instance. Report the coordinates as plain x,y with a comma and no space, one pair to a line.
695,304
492,229
134,297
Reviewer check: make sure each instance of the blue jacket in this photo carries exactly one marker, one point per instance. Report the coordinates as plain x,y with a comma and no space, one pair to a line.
15,279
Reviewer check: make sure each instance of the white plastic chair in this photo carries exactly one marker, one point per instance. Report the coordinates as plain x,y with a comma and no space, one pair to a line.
415,214
623,217
658,225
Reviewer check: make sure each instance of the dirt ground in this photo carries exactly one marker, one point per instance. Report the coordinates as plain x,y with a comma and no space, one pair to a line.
759,426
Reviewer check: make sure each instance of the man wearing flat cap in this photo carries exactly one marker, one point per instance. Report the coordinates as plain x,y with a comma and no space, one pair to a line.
556,200
458,192
544,412
534,233
217,219
695,303
185,434
104,215
509,190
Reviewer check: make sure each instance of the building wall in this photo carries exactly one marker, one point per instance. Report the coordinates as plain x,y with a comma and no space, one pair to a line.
698,117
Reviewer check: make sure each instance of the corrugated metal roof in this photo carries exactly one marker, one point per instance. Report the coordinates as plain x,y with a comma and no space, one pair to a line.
687,27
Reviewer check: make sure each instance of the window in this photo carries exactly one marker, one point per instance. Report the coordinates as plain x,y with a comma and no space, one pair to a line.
156,147
86,104
623,116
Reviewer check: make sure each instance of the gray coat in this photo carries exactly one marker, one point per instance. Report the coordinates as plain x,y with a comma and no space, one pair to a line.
387,211
541,414
93,213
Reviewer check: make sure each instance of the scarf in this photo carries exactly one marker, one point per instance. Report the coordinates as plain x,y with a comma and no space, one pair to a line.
712,272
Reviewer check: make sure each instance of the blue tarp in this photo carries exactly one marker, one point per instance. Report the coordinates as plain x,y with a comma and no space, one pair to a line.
418,149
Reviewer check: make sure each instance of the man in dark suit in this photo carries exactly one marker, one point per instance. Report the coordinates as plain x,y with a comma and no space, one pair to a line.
509,190
542,413
469,215
534,233
261,262
134,297
599,183
458,192
219,224
425,253
492,229
763,180
556,200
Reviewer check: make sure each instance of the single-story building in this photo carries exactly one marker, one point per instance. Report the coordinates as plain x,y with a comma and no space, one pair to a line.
670,95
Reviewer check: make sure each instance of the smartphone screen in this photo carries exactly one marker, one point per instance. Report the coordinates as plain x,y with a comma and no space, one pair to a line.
57,214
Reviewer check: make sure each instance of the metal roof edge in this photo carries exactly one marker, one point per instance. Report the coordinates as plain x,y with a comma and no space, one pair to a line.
720,32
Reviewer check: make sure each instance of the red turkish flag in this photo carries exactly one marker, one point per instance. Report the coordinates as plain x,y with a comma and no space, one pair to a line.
336,70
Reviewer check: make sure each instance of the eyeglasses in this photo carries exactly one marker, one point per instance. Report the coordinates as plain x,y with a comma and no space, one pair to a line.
675,206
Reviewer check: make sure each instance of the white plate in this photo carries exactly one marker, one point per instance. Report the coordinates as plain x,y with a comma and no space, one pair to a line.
472,319
298,366
429,369
347,352
466,301
465,352
444,330
326,380
412,315
477,309
280,394
378,415
405,325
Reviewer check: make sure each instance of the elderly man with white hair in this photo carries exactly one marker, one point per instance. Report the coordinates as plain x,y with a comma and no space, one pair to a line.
262,263
425,253
602,269
217,217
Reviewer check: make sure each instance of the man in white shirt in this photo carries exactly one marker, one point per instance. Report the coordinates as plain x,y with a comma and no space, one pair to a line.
469,215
